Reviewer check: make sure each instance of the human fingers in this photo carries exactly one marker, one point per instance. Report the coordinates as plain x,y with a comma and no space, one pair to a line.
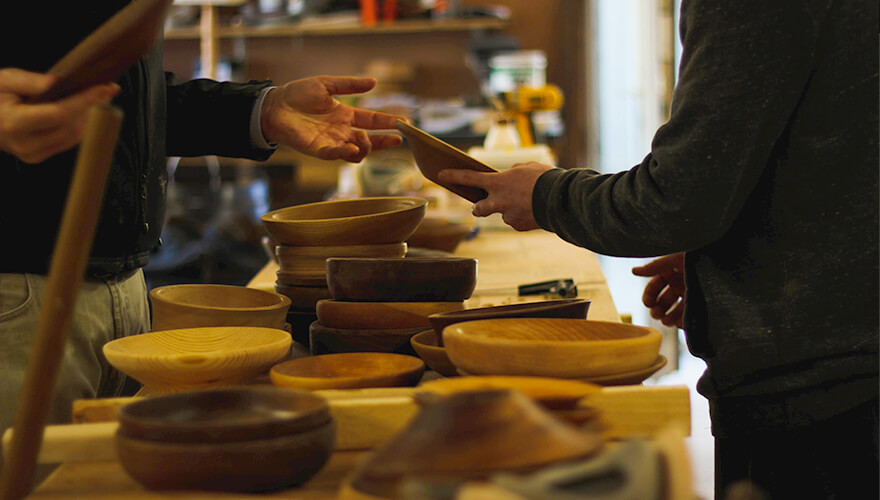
385,141
67,110
674,316
36,148
654,267
338,85
24,83
341,152
361,139
374,120
652,290
667,298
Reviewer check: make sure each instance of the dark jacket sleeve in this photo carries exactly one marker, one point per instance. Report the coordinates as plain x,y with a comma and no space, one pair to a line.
744,66
206,117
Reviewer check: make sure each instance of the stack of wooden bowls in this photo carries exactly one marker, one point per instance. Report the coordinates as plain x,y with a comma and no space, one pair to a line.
306,235
380,303
241,439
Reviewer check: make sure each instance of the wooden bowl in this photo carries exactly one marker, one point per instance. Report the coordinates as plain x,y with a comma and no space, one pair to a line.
300,321
303,297
440,233
312,260
326,340
550,347
549,392
303,279
380,315
197,358
425,345
564,308
223,415
255,465
402,280
348,371
361,221
469,436
193,306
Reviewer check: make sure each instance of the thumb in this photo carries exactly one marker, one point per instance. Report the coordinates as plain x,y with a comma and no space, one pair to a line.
338,85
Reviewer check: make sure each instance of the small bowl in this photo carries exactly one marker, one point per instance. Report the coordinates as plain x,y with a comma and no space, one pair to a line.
550,347
326,340
440,233
349,370
425,345
223,415
304,297
198,305
564,308
402,280
312,260
361,221
243,466
380,315
198,358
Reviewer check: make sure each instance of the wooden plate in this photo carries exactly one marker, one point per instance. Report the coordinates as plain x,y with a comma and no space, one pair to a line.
380,315
110,50
433,155
348,371
198,305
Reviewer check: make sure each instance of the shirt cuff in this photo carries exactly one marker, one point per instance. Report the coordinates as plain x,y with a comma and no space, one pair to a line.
257,138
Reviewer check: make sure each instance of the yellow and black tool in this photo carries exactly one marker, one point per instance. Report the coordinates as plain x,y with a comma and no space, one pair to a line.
523,101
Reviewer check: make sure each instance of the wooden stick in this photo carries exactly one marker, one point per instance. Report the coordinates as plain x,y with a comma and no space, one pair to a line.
66,273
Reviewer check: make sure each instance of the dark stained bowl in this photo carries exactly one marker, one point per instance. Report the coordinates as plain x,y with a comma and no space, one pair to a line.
326,340
402,280
223,415
564,308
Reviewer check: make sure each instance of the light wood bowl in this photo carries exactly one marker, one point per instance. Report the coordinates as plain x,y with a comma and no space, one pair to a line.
562,308
380,315
361,221
415,279
303,297
197,358
633,377
198,305
255,465
550,347
326,340
549,392
348,371
425,345
312,260
223,415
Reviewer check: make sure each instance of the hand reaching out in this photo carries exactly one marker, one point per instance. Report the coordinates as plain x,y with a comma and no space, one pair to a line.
665,291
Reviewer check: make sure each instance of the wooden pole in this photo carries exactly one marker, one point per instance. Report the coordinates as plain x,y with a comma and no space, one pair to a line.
66,273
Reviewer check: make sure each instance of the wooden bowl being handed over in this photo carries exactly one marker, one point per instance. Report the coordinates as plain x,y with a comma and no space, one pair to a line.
198,305
360,221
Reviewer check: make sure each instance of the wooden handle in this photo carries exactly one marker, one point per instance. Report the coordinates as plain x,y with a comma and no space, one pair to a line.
66,273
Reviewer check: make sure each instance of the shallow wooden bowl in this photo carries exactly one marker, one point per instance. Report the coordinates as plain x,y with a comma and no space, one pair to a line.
312,260
326,340
380,315
563,308
550,392
223,415
402,280
303,297
198,305
198,358
254,465
440,233
348,371
360,221
469,436
425,345
550,347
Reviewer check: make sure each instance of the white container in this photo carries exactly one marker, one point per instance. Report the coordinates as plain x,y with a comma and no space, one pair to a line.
524,68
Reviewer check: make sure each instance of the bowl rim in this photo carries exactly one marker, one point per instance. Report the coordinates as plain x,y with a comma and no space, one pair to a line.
516,307
649,334
419,337
407,260
283,300
418,364
271,217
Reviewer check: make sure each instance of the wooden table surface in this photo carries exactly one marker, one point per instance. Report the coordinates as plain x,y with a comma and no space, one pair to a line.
506,259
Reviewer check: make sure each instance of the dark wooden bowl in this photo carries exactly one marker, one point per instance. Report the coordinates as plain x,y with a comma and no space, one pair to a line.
380,315
325,340
223,415
402,280
360,221
256,465
425,345
300,321
348,370
564,308
303,297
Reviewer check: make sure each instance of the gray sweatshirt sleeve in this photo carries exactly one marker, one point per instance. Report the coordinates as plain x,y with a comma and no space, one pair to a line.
744,67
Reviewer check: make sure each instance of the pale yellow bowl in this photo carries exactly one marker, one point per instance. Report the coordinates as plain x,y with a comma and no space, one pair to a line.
550,347
198,305
196,358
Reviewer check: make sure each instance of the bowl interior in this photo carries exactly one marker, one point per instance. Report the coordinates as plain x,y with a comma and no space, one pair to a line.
219,297
550,329
343,209
228,341
349,365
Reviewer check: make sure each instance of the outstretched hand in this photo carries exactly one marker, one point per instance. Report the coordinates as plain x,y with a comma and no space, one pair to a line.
510,192
304,115
665,291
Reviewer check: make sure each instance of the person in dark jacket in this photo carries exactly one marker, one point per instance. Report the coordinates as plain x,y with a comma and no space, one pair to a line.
762,192
162,117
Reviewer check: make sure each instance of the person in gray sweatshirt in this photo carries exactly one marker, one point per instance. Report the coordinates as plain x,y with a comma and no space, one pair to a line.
761,191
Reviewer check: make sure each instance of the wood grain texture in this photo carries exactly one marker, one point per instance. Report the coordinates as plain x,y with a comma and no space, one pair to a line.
200,305
380,315
348,371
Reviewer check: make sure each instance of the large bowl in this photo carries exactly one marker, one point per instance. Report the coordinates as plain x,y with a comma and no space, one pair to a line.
550,347
255,465
380,315
326,340
223,415
360,221
450,279
198,358
564,308
198,305
425,345
349,370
